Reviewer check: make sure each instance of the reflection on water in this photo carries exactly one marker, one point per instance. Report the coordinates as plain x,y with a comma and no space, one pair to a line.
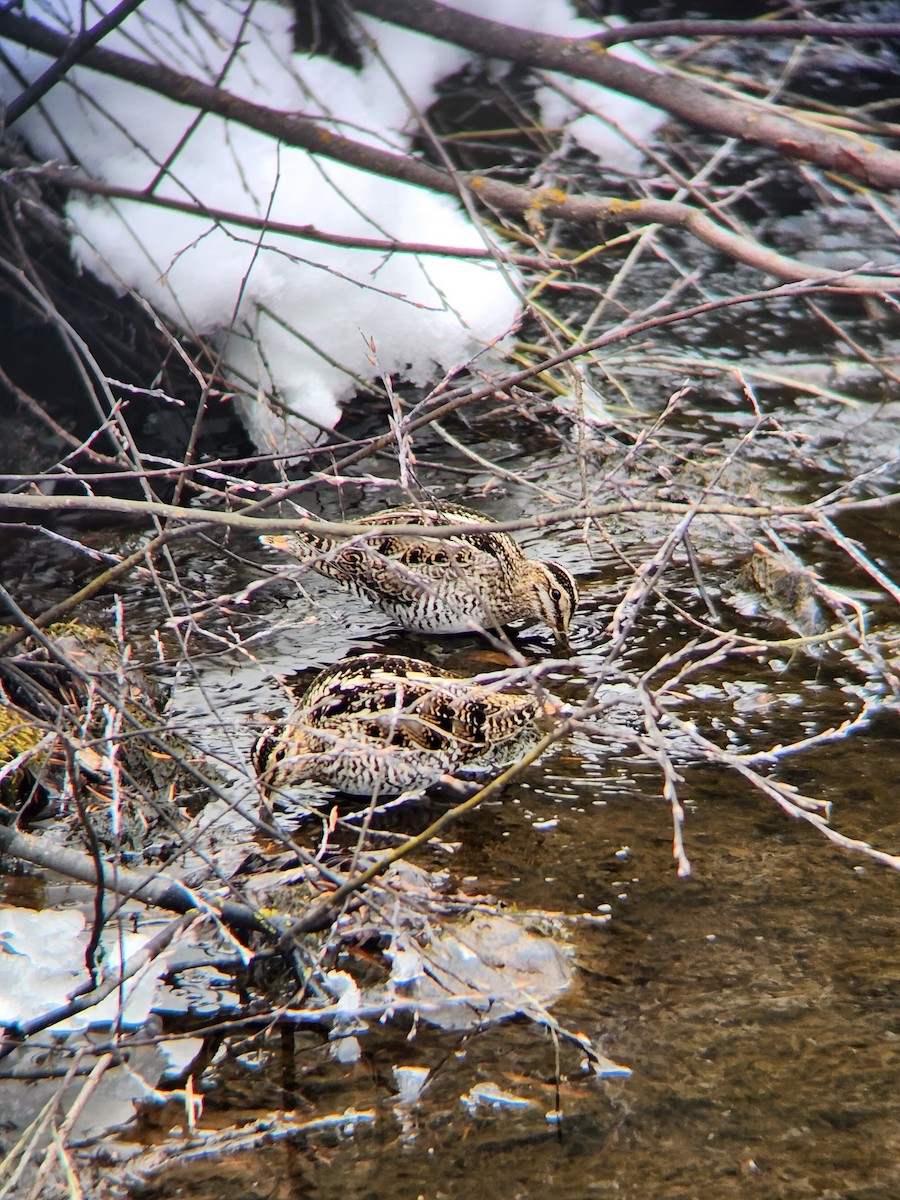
756,1005
755,1002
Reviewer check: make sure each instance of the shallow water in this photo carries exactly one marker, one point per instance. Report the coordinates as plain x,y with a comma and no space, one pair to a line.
755,1002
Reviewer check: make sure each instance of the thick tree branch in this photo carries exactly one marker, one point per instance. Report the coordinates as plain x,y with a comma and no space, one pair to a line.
831,30
673,214
157,889
292,129
319,139
681,97
234,520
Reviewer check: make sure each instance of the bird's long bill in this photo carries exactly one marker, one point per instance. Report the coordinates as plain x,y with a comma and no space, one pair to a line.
562,644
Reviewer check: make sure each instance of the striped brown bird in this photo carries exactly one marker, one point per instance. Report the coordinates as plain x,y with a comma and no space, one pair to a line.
441,584
381,724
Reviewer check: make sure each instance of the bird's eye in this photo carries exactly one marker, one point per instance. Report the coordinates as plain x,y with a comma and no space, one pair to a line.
555,594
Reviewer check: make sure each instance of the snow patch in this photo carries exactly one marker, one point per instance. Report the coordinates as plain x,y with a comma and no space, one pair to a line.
294,319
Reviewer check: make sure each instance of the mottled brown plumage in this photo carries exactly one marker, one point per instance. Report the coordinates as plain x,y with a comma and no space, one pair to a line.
383,724
441,585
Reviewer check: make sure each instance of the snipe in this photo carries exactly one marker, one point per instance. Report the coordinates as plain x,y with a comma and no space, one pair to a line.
381,724
441,585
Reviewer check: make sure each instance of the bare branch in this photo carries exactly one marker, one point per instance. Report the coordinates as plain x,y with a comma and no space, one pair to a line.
638,31
234,520
681,97
75,51
852,156
158,889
